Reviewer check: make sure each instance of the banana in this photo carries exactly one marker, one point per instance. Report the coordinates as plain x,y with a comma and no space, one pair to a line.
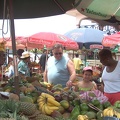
118,115
80,117
47,111
40,99
49,104
54,102
48,84
115,113
53,108
108,112
111,112
47,96
85,117
43,109
41,104
105,112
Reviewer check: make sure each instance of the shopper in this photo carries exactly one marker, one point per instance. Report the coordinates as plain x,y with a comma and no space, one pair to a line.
23,65
59,69
77,63
86,84
43,60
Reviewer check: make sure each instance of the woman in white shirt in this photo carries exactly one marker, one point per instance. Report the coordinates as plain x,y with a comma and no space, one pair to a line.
11,69
110,75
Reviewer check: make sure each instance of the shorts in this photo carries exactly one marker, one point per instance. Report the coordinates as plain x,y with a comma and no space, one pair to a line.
112,97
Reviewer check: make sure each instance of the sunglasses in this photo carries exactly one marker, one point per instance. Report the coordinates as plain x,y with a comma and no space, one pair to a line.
58,53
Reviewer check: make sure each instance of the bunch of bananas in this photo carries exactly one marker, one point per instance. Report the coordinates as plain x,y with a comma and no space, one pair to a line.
47,103
111,112
46,85
82,117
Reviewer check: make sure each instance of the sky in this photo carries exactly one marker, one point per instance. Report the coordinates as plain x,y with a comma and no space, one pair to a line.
25,27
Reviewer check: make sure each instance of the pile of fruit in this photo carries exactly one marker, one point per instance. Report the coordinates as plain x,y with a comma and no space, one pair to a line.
42,101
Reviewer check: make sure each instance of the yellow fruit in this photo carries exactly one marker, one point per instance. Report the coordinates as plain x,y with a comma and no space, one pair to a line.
41,104
111,113
105,112
54,102
57,92
47,95
80,117
43,109
85,117
47,103
53,108
47,110
118,115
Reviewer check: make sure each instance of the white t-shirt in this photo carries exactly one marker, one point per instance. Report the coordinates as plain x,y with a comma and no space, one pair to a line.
112,80
10,71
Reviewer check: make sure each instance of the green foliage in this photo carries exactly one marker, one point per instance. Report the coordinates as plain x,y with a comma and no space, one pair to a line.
10,109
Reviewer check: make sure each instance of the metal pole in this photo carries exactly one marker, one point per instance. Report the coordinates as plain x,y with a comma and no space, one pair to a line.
12,31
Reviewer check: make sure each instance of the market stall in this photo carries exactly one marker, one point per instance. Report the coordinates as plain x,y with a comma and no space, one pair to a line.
40,100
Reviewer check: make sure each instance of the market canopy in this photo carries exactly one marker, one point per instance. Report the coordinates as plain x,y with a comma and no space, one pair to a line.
108,10
36,8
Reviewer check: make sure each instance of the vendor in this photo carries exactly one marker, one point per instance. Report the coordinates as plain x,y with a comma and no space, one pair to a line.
2,56
110,75
23,65
2,53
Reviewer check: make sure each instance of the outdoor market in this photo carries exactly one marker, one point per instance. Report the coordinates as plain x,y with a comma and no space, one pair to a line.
70,76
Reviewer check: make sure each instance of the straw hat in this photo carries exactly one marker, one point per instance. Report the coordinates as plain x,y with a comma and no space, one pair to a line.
25,54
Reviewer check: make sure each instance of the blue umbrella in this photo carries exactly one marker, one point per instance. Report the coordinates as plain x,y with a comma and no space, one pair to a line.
86,36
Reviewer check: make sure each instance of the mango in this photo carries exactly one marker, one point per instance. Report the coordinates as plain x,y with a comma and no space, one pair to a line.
75,112
65,104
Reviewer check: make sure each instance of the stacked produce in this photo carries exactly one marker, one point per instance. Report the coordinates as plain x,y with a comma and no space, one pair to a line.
111,112
47,103
10,109
42,101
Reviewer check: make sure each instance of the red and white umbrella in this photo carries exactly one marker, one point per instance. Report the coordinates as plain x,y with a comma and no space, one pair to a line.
111,40
48,39
18,40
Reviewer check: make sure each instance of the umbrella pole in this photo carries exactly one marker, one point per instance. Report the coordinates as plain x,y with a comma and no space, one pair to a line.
12,31
35,54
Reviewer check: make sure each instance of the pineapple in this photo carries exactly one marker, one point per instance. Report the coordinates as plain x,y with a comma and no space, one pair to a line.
43,117
27,108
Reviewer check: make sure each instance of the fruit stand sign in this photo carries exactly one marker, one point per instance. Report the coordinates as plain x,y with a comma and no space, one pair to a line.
96,46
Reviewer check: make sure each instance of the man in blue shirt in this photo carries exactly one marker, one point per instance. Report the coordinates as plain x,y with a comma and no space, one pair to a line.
23,65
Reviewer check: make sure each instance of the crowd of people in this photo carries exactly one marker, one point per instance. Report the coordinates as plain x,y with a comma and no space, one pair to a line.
61,69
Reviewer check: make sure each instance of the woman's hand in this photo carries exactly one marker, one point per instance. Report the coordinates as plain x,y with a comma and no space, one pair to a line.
69,83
